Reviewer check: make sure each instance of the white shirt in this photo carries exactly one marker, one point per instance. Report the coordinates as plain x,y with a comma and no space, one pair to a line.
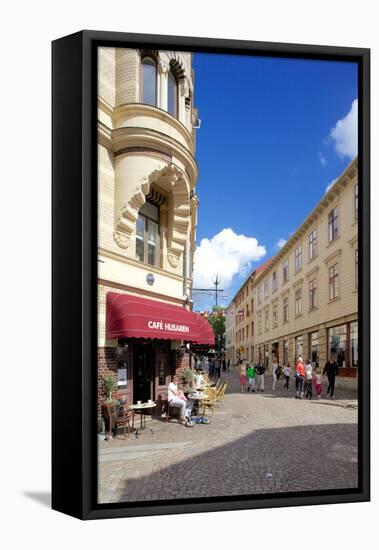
308,371
171,389
274,367
287,371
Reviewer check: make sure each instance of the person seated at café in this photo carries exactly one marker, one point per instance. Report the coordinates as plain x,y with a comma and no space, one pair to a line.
177,399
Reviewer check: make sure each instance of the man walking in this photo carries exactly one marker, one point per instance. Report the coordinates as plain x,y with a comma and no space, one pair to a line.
331,371
260,372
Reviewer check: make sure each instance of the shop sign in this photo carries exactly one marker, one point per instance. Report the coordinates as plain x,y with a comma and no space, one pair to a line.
170,327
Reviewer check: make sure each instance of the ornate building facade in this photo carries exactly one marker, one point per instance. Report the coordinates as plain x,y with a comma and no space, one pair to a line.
147,214
305,299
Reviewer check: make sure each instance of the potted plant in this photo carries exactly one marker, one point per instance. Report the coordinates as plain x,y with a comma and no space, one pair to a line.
109,382
188,379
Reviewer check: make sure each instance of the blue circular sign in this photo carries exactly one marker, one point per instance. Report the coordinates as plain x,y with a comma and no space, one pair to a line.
150,279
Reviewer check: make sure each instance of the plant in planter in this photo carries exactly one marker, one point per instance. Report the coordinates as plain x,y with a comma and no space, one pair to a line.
188,379
109,382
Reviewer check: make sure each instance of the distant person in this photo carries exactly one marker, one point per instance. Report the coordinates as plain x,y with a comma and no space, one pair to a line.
308,379
287,374
250,371
260,372
228,365
275,372
217,367
317,382
299,377
224,365
331,371
211,368
242,374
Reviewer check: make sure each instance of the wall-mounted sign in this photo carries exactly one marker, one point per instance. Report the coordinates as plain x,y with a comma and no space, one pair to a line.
171,327
150,279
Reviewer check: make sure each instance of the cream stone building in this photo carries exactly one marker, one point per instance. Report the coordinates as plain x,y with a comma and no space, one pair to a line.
305,299
147,210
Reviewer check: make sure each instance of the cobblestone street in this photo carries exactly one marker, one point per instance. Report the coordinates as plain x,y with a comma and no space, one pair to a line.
255,443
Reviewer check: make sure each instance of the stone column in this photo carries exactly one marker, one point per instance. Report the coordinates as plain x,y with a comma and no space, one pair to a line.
163,102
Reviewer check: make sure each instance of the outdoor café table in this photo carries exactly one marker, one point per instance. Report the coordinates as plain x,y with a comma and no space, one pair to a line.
141,408
197,398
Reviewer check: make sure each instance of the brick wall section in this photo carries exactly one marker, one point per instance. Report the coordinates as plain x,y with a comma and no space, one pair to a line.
127,76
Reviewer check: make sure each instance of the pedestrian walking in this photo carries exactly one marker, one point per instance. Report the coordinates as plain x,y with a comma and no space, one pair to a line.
308,379
251,377
331,370
317,381
224,365
287,374
276,372
211,367
260,375
217,367
299,377
242,374
228,365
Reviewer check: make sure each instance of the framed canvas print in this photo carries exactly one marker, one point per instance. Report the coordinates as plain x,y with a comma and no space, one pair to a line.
210,275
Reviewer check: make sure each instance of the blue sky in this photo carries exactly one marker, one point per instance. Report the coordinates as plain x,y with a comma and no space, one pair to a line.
266,151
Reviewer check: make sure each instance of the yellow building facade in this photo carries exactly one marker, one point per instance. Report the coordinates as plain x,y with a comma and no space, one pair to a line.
147,204
305,299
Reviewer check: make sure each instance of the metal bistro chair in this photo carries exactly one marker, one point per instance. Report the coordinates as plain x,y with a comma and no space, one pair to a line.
115,421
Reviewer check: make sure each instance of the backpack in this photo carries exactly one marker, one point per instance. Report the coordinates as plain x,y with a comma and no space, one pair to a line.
278,372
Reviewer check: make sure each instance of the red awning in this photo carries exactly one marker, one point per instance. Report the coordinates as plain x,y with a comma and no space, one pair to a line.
134,317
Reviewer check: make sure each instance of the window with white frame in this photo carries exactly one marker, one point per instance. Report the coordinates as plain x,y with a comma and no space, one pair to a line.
275,281
285,271
147,234
333,282
312,244
298,302
172,94
265,288
333,224
275,315
298,258
356,202
148,81
313,294
285,310
266,319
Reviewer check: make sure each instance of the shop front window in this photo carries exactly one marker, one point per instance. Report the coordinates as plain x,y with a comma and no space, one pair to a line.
337,344
354,344
298,346
313,347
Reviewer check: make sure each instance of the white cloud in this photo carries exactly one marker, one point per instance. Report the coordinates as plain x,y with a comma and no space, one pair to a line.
281,243
330,185
227,254
345,133
322,159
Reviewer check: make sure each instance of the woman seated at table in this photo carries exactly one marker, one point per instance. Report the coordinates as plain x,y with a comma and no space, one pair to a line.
176,398
199,379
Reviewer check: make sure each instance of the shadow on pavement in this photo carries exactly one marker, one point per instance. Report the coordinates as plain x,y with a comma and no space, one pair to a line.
277,460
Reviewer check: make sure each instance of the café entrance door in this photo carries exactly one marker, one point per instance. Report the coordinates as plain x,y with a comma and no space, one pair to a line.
143,368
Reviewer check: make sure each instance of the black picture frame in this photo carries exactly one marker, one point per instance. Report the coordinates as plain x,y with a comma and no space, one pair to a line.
74,268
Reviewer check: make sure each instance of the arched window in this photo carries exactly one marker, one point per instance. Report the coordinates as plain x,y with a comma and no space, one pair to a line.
172,94
149,81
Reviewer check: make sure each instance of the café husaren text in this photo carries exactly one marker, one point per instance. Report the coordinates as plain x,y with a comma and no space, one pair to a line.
160,325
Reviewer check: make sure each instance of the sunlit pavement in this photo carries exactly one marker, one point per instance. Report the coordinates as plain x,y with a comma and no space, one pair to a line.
256,443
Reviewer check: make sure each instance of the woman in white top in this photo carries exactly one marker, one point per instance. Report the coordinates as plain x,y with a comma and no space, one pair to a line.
175,398
275,365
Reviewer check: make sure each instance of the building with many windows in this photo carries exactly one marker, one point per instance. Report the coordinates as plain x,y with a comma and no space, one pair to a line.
147,219
305,299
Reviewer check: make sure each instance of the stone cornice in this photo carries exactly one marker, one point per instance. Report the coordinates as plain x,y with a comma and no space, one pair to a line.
312,272
335,254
